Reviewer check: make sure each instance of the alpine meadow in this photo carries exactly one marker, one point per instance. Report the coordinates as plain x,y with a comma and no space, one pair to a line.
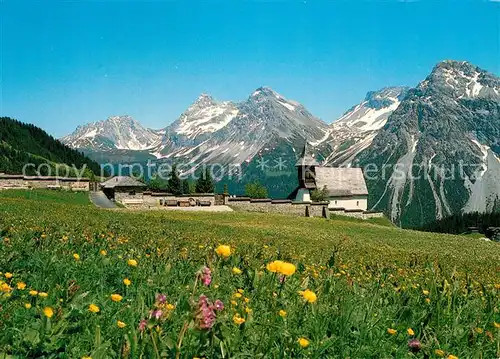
91,283
249,179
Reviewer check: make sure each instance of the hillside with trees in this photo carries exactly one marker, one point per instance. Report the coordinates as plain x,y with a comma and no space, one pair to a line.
463,222
22,143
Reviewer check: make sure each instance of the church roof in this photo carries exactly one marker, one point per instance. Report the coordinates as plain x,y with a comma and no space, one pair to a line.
341,182
122,181
306,158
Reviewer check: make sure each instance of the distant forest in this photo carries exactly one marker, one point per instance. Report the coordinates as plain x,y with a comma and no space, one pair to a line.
22,143
461,223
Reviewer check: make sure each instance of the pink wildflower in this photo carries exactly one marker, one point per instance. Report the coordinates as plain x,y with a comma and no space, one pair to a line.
157,313
206,312
414,345
219,305
142,325
161,298
206,276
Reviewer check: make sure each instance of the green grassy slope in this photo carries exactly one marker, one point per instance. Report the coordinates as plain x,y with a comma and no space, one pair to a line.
368,278
22,143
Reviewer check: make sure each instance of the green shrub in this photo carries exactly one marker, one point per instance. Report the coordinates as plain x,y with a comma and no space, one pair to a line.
255,190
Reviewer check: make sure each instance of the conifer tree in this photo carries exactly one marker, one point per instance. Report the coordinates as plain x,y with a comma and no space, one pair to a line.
174,184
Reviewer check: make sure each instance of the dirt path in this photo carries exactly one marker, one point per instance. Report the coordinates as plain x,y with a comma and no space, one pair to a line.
99,199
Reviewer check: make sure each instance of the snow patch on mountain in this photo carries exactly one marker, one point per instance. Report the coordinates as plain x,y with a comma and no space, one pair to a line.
484,188
364,118
355,130
116,132
204,116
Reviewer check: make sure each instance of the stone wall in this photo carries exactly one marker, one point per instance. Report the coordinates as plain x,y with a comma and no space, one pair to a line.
277,206
149,200
24,182
294,208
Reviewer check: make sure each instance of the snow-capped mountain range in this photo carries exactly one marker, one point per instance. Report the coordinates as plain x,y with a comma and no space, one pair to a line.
116,132
207,131
451,116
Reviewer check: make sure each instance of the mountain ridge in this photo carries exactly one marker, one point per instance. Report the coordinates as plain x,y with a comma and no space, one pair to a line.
450,116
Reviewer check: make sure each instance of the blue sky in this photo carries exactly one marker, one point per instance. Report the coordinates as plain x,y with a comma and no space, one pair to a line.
69,63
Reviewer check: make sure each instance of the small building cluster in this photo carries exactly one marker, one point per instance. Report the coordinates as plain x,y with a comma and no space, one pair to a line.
321,190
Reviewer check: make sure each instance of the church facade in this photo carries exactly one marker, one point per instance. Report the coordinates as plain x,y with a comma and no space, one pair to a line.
345,187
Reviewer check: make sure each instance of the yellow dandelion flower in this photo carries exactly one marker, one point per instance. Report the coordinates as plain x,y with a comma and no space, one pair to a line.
478,330
439,353
94,308
223,251
303,342
238,320
427,300
132,262
309,296
248,310
21,285
170,306
410,332
103,253
76,256
236,270
425,292
282,313
127,282
116,297
237,295
8,275
48,312
27,305
120,324
234,303
496,325
43,295
33,293
451,356
274,266
287,269
86,357
240,291
391,331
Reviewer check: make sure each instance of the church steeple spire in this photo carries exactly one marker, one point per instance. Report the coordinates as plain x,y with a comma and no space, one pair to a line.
306,158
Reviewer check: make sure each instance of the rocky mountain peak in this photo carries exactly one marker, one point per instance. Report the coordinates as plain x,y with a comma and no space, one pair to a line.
115,132
204,100
266,99
461,79
264,91
385,97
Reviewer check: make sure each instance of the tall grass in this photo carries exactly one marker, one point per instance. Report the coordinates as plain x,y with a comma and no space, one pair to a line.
381,292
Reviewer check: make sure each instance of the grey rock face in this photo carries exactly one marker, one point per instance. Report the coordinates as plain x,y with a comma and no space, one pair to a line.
438,152
355,130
